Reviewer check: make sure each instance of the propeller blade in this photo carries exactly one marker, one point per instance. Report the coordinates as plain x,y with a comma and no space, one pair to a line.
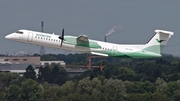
62,37
63,34
61,43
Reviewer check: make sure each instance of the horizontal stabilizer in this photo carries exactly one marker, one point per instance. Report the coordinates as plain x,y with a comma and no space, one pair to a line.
164,32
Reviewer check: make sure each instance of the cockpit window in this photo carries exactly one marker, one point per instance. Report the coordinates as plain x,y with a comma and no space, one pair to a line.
19,32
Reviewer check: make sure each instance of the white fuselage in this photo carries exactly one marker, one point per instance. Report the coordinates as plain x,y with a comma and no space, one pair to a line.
52,40
82,44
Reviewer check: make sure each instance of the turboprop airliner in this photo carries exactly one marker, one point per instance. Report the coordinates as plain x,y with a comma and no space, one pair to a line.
82,43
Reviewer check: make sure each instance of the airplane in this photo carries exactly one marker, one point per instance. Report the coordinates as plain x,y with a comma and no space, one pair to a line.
152,49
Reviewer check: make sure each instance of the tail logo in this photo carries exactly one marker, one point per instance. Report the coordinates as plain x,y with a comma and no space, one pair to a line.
159,41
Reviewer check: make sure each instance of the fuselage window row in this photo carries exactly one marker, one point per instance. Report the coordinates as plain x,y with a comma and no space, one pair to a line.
107,49
48,39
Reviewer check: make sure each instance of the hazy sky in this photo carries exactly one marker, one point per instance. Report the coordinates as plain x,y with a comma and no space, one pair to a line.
137,20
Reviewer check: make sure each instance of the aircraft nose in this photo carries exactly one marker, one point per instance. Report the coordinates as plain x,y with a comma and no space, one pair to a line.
8,36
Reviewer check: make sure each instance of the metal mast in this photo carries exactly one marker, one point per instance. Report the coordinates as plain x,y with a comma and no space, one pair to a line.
42,50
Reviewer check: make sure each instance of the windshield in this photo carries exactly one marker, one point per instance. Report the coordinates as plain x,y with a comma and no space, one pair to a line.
19,32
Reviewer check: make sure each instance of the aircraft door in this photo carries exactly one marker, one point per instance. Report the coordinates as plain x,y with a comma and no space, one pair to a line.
114,52
30,37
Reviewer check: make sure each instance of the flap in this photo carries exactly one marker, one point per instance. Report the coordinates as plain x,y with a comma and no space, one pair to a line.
101,54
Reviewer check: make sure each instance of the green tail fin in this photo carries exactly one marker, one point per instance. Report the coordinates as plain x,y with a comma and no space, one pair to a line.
158,41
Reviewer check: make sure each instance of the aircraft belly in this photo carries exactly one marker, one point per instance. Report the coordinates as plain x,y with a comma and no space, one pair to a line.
120,52
81,49
137,54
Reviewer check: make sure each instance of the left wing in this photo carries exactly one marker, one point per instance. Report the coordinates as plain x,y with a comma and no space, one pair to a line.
83,38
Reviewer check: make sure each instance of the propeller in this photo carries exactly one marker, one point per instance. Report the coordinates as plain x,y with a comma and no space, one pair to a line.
61,37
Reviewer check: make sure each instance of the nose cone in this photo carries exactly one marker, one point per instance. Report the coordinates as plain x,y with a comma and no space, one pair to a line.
8,36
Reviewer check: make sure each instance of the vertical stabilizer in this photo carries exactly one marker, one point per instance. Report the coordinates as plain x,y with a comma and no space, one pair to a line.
158,41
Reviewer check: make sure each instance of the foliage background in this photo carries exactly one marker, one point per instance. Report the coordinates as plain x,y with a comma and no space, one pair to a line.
124,79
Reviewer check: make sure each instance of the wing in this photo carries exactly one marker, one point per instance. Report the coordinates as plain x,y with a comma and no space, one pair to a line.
83,38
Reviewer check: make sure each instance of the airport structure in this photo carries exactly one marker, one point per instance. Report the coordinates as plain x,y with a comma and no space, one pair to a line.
21,60
18,64
75,71
47,63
